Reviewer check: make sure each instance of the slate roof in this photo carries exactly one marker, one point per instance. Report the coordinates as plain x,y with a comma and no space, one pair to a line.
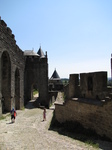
30,53
55,76
40,52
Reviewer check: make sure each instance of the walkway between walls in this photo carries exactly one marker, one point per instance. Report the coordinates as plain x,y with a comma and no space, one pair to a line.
30,132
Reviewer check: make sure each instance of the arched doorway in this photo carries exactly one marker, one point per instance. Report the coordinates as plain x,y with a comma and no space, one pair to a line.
6,81
17,89
34,91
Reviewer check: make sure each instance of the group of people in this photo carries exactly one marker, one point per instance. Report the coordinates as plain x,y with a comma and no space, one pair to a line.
14,114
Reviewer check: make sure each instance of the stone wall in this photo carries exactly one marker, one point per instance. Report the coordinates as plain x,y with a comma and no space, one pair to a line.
88,102
18,74
93,85
90,85
36,74
11,61
74,90
96,116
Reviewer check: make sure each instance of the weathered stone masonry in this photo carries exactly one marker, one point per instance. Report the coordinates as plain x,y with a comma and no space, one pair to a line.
20,73
36,75
11,71
91,105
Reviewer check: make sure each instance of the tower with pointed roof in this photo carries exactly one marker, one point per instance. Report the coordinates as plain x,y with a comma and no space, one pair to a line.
36,75
55,83
40,52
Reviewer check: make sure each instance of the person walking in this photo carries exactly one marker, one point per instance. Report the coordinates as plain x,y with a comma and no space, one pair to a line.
13,115
44,114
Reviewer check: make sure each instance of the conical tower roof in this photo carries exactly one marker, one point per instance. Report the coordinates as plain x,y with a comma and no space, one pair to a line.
55,75
40,52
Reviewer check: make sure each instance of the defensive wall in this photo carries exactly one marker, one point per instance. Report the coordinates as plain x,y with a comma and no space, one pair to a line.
89,102
11,71
20,73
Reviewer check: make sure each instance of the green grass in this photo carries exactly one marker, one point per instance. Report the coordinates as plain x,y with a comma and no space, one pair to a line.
91,143
23,108
2,117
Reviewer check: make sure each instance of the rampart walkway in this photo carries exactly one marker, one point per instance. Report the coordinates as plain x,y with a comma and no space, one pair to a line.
29,132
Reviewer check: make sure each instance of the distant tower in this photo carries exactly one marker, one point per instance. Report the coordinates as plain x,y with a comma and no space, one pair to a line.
55,83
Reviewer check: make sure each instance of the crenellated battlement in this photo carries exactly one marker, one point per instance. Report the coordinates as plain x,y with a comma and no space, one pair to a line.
2,22
21,72
35,60
8,36
6,29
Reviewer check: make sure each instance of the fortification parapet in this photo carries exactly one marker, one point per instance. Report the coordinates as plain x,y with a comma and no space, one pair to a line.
6,29
2,22
9,31
12,68
7,36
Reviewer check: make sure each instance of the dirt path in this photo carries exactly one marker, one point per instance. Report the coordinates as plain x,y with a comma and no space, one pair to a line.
29,132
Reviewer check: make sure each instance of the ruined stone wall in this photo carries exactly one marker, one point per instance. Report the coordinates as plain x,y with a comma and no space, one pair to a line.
74,85
90,104
97,117
93,85
15,57
90,85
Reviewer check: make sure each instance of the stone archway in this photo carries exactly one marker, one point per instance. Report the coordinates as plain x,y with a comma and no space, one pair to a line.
17,89
6,81
34,88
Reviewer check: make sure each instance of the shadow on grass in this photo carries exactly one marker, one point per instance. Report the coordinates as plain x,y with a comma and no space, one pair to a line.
76,131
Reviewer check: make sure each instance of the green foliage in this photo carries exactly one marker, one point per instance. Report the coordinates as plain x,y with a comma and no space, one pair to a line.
35,92
65,81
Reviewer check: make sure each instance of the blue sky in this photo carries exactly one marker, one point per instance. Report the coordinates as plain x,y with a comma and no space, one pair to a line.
77,34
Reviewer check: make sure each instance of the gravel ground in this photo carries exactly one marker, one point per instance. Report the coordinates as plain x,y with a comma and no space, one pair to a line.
30,132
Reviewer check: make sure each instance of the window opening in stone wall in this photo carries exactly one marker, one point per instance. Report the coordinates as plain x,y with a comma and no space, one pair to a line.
90,84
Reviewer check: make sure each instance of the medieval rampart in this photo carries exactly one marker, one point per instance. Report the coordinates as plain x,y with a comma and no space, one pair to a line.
97,116
11,70
91,105
20,73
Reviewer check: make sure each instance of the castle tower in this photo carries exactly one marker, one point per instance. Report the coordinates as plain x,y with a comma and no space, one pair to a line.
40,52
36,75
55,82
